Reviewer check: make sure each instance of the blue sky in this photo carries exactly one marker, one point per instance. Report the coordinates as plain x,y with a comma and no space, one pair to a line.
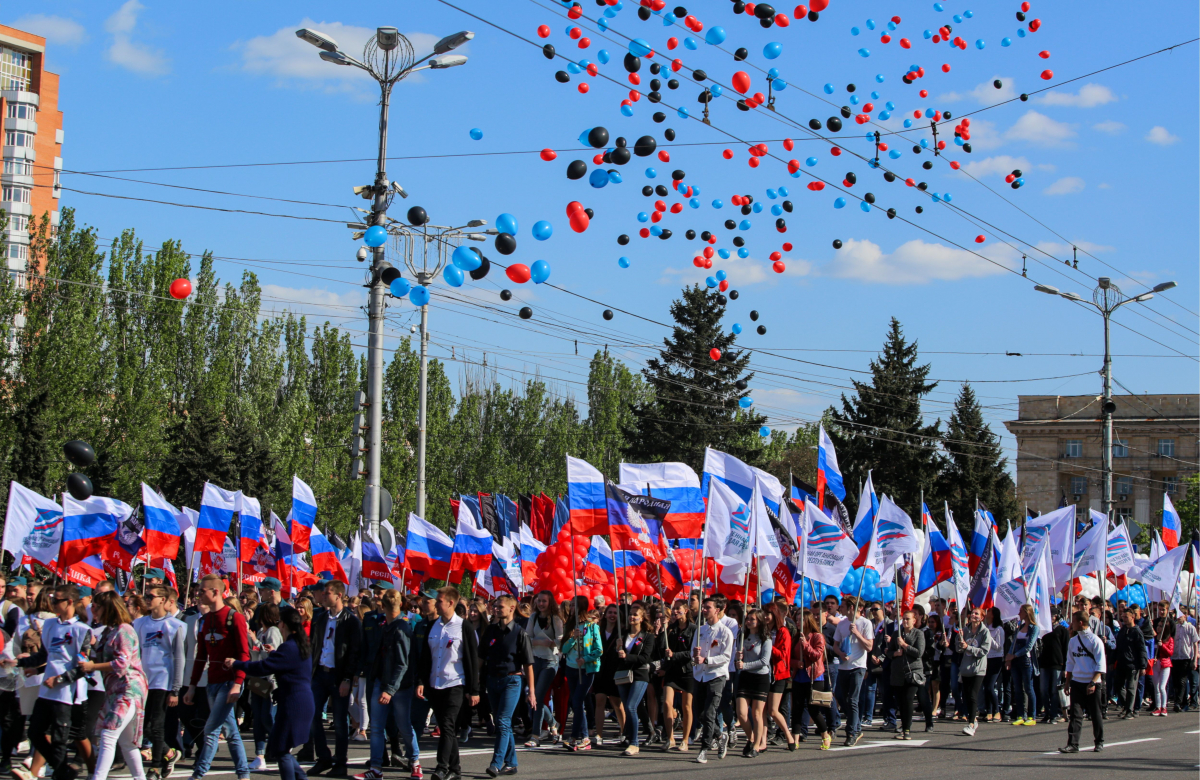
1109,162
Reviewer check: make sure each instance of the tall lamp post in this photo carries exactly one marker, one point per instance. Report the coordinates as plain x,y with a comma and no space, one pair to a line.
1106,299
388,57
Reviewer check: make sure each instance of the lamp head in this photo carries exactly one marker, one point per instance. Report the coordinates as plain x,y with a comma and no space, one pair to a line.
320,40
1045,288
447,61
452,42
1164,287
387,38
336,57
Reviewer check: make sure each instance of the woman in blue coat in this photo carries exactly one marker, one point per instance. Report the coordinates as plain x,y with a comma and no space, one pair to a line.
293,675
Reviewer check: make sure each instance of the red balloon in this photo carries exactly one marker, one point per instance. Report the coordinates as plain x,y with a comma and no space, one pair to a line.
1035,25
980,239
573,207
727,154
1044,55
580,221
544,31
741,81
583,88
924,93
753,162
787,246
836,151
518,272
1047,74
782,20
885,39
575,33
800,12
788,144
549,154
664,155
778,266
672,43
905,43
575,12
946,68
954,164
585,42
724,285
698,261
819,5
714,353
180,289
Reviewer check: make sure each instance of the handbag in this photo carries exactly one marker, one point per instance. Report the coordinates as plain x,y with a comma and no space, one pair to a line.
259,686
624,677
821,698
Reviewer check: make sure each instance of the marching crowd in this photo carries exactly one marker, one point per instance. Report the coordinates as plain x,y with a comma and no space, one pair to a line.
86,674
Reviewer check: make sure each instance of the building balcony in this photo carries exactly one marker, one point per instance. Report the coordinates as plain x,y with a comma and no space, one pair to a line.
28,125
18,153
17,208
20,96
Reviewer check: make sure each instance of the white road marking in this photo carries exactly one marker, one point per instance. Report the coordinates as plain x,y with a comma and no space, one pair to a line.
887,743
1109,745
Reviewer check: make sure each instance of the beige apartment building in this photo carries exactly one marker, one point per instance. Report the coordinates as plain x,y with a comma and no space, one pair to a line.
1155,441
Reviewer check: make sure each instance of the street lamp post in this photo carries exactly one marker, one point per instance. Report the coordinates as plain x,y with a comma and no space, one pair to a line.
388,57
1106,299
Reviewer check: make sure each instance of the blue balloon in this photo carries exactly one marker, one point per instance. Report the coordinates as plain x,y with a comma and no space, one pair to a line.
1021,33
711,282
399,287
879,79
885,114
464,259
958,19
855,31
744,224
542,230
891,25
839,203
623,262
651,173
453,274
539,271
507,223
890,106
614,177
694,203
929,112
968,13
924,143
724,254
928,34
864,52
1006,41
643,217
854,101
736,329
811,161
603,56
718,203
717,90
598,178
764,431
980,43
715,36
779,84
870,24
772,50
690,43
583,137
721,276
376,235
639,47
745,403
894,153
908,123
743,252
419,295
773,73
862,204
757,208
938,7
947,197
669,20
828,89
602,22
573,68
476,133
682,112
777,210
655,230
626,110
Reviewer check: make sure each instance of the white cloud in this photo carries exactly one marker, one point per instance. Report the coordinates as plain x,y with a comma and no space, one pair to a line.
986,93
1068,185
1001,165
984,136
293,62
1089,96
1159,135
741,272
57,30
1064,250
316,303
128,53
915,262
1110,126
1104,186
1040,129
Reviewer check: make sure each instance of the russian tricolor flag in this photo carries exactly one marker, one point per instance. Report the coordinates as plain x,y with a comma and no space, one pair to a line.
1171,527
531,548
216,513
677,483
325,556
937,565
472,544
868,510
87,572
250,525
428,550
162,525
89,527
828,473
585,499
304,513
740,478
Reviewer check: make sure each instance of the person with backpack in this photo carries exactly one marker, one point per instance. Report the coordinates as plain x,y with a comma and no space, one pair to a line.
1084,671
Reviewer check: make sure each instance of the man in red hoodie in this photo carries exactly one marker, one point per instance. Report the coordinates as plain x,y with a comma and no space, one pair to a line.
223,634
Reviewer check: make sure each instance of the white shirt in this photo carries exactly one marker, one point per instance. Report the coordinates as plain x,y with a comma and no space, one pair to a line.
1085,656
734,628
159,646
446,653
64,643
1185,641
856,653
327,643
997,649
716,648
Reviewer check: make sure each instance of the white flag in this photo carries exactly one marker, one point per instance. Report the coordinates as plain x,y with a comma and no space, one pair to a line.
33,525
727,527
1164,572
1010,560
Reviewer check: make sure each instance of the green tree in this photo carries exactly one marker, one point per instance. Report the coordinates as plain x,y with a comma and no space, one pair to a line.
975,467
695,398
881,428
793,455
31,452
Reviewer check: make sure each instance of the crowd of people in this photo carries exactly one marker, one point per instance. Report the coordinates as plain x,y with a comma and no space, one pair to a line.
88,674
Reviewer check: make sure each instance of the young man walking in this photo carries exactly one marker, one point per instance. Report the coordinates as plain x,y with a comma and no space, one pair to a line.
1085,667
449,675
710,667
160,638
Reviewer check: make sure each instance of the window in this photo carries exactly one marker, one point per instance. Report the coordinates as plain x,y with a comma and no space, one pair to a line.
17,252
18,223
1171,485
1078,485
1123,486
1166,448
1124,514
16,193
18,167
1120,448
1074,448
18,138
16,70
21,111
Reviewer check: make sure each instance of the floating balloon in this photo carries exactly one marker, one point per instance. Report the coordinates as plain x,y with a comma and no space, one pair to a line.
453,274
539,271
79,486
505,244
525,313
598,178
715,36
399,287
476,133
577,169
772,50
376,235
180,289
714,353
518,272
417,216
79,453
542,230
419,295
764,431
639,47
741,81
507,223
465,260
549,154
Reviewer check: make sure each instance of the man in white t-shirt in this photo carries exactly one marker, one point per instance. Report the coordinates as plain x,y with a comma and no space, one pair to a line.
160,637
852,640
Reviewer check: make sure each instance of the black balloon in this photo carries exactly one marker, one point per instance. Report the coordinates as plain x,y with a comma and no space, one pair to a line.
548,51
747,210
690,234
813,16
608,315
846,112
665,234
739,241
706,235
927,165
762,330
672,83
787,206
506,295
837,243
653,97
721,299
850,177
678,175
632,64
669,134
869,197
741,54
699,75
79,486
945,114
506,244
655,84
917,148
850,87
80,453
764,11
644,13
485,265
659,117
655,68
525,312
591,214
754,314
920,210
598,137
680,12
765,23
1024,97
621,142
891,213
742,106
733,295
815,124
645,146
661,190
730,224
577,169
620,155
739,7
562,77
622,239
417,216
833,124
780,223
741,384
647,190
889,176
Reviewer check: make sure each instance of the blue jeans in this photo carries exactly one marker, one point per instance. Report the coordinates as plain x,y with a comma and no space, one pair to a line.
725,712
631,697
290,769
398,710
849,683
580,683
1050,681
835,716
503,694
220,716
264,716
324,689
1022,687
866,698
544,672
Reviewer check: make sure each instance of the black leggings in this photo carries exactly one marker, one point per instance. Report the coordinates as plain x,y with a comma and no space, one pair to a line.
970,692
801,693
906,704
156,727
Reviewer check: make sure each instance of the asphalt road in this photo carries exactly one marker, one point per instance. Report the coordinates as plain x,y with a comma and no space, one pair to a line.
1163,747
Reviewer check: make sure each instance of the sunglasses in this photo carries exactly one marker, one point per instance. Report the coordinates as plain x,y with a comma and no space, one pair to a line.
58,601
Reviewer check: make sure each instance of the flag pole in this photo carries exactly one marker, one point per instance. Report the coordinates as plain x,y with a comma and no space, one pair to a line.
188,589
574,573
658,564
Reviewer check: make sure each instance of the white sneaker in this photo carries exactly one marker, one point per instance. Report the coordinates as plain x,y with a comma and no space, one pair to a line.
702,756
258,764
969,729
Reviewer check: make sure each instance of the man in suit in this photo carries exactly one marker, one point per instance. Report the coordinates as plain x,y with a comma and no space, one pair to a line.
336,656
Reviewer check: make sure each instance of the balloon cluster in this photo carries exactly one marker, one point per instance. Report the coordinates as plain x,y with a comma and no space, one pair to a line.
81,455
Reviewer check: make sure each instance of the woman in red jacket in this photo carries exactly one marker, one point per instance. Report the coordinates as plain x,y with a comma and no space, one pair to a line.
808,679
781,672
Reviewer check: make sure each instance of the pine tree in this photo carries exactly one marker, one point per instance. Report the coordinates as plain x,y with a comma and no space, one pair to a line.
881,428
976,468
695,403
31,455
197,455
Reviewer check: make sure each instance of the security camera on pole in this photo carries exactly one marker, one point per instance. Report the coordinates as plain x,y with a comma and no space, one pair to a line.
388,57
